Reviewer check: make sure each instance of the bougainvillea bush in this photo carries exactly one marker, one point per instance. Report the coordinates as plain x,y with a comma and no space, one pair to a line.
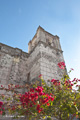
57,99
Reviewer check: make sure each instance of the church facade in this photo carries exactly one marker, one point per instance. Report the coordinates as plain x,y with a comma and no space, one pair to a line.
44,53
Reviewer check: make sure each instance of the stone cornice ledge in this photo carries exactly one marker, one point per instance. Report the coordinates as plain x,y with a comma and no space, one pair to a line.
14,49
45,44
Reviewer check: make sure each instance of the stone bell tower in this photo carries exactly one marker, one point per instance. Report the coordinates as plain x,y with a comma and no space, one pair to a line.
44,54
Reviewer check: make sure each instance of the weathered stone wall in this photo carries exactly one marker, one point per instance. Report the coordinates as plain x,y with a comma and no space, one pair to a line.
48,63
34,64
13,65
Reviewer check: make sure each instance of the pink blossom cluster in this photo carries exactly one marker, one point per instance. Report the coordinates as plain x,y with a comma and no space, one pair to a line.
61,65
36,97
55,82
1,108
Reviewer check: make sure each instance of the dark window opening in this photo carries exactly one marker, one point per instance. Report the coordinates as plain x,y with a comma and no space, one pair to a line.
28,76
57,53
49,43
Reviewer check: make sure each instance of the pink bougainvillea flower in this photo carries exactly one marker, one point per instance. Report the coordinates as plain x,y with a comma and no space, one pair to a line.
38,107
1,85
72,84
1,103
69,84
48,104
61,65
76,85
72,69
39,89
74,80
55,82
1,112
52,80
31,90
41,109
52,99
40,75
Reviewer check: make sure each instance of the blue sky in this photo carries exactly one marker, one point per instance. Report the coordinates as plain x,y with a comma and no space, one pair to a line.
19,20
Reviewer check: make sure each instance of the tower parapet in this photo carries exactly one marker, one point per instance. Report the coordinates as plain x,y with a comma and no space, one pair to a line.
47,38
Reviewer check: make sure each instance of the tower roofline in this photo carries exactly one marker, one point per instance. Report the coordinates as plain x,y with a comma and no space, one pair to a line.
40,28
46,32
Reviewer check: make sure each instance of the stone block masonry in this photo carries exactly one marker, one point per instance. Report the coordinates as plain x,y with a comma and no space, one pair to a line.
13,66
